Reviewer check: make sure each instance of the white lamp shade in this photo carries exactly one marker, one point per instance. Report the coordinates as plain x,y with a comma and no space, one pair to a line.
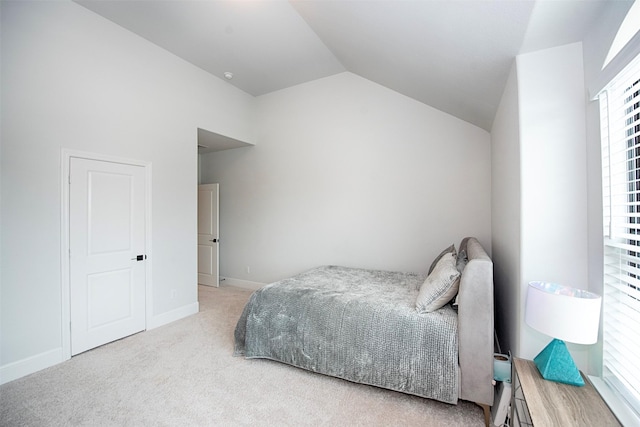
563,312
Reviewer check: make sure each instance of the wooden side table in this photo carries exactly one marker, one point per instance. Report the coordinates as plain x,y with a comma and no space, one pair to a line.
536,401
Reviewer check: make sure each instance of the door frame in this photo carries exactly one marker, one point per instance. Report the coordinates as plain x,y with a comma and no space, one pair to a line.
65,282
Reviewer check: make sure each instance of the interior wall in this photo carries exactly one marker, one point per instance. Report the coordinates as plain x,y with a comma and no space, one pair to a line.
553,151
551,106
347,172
506,214
74,80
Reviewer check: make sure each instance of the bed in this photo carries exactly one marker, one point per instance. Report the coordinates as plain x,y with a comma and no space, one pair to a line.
372,327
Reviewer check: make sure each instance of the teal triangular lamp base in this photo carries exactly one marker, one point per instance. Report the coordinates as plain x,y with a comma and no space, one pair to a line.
556,364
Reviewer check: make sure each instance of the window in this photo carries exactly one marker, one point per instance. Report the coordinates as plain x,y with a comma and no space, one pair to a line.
627,30
620,131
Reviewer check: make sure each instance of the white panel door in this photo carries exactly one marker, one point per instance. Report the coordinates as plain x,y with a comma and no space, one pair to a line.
107,252
208,234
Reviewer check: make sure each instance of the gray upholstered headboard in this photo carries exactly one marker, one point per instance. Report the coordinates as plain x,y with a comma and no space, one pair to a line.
475,325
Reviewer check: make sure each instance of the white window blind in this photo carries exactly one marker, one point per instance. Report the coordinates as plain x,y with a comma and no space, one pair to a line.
620,131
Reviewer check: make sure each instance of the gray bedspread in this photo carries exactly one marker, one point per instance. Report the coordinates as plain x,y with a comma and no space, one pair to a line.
359,325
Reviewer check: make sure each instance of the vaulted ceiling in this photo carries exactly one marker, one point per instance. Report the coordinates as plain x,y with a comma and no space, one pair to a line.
454,55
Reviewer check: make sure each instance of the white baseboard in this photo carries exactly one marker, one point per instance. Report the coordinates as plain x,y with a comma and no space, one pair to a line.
32,364
173,315
238,283
36,363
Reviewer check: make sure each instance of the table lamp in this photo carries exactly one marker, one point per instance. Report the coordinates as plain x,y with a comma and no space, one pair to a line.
566,314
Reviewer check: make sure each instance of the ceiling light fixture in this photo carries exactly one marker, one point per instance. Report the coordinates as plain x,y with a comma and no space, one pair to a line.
228,75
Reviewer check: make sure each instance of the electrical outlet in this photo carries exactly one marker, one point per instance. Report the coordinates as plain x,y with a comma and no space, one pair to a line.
248,270
173,293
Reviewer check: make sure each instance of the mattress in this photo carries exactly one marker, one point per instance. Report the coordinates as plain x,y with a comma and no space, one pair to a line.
358,325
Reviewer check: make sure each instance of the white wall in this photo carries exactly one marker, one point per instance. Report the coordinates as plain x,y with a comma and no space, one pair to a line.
347,172
71,79
560,172
505,214
553,152
539,218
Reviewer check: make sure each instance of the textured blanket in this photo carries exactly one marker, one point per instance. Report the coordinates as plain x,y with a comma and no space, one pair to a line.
359,325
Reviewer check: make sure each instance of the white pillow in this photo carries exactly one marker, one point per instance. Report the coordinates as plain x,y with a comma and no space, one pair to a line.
450,249
440,286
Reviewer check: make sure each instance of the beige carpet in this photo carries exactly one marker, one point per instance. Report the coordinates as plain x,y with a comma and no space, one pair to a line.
183,374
